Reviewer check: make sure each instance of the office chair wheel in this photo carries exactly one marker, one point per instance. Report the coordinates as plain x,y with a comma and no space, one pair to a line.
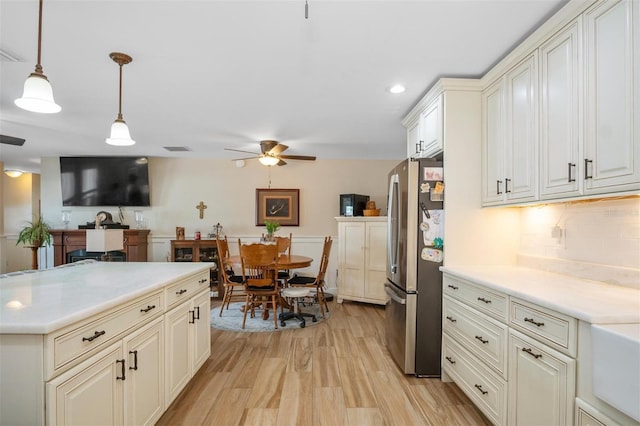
302,324
283,324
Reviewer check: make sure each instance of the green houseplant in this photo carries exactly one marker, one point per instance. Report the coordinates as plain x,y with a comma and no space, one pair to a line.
272,226
34,235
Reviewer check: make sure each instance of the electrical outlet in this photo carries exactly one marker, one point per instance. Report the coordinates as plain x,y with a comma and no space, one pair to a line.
556,232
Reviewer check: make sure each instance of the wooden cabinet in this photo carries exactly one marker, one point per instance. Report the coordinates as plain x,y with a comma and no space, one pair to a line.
541,383
561,168
362,259
510,145
188,343
68,241
199,251
612,78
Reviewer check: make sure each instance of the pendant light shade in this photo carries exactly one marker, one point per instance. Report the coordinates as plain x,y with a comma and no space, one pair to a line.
119,135
38,94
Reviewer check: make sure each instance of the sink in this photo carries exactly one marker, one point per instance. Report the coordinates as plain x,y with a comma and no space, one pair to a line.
615,353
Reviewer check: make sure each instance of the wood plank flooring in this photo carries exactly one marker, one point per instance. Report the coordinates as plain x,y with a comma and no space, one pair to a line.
334,373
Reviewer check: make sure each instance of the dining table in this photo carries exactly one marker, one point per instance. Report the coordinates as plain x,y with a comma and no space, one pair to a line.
285,262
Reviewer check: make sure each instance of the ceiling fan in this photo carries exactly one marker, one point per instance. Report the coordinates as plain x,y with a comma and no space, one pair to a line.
271,154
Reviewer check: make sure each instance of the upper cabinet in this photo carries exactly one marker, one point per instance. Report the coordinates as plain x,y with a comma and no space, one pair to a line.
612,80
510,166
425,132
563,118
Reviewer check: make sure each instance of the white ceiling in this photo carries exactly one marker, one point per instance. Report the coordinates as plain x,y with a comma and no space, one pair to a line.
211,75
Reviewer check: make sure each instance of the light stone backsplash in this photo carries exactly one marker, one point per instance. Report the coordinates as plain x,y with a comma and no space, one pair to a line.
598,240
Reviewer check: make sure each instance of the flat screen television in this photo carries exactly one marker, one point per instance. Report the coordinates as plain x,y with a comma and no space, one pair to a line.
104,181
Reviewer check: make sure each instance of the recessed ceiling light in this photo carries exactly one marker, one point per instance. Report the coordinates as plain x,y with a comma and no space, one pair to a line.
396,88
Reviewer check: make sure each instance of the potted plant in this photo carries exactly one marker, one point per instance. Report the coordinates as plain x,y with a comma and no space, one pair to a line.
272,226
35,235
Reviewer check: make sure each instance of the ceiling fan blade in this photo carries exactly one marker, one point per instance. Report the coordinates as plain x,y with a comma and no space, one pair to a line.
298,157
240,150
267,145
276,150
281,163
246,158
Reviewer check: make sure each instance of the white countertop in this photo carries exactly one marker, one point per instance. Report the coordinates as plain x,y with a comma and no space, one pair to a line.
44,301
591,301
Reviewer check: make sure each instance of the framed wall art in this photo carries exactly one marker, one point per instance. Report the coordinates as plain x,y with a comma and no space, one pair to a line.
282,205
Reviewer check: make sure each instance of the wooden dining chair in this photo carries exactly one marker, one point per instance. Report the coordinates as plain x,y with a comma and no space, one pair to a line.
317,282
259,266
284,248
230,281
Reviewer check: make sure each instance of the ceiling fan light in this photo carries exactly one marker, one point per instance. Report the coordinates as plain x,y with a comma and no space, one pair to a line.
120,134
268,160
38,95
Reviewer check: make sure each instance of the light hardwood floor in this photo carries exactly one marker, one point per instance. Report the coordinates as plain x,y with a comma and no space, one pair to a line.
334,373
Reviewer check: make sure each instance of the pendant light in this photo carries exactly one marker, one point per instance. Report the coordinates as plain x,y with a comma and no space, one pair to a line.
119,131
38,94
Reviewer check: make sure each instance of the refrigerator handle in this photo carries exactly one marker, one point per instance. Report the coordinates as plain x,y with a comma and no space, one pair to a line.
392,295
393,223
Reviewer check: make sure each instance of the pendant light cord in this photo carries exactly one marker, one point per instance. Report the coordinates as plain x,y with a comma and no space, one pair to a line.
38,66
120,95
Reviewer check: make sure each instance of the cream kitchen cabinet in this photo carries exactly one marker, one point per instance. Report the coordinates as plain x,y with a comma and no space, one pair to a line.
510,144
120,385
362,259
561,168
541,383
188,342
612,78
425,131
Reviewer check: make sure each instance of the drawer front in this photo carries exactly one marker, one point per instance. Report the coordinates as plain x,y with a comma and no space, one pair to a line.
555,329
71,344
485,337
186,289
484,388
490,302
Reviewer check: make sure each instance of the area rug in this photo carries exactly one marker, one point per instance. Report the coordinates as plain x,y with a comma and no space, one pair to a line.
231,319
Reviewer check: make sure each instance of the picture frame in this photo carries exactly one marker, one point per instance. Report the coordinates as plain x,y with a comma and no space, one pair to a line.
281,205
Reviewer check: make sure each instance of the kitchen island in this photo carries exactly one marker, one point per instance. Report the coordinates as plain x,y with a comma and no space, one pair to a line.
520,343
108,343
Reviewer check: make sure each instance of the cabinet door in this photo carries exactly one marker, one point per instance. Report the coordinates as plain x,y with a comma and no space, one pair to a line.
177,354
375,260
541,383
351,252
560,131
144,387
413,139
521,143
493,117
612,150
431,124
93,395
201,330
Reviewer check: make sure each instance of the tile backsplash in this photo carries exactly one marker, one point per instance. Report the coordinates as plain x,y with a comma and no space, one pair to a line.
595,237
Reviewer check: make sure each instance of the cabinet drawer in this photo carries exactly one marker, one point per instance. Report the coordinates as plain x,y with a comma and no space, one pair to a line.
71,343
187,288
555,329
490,302
487,390
485,337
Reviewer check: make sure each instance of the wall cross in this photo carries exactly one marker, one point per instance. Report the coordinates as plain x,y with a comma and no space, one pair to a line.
201,207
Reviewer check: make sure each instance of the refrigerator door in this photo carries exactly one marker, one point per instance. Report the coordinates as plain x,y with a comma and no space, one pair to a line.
397,225
400,320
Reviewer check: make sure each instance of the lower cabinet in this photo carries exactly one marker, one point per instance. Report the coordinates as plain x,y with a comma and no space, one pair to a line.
123,384
188,343
514,359
541,383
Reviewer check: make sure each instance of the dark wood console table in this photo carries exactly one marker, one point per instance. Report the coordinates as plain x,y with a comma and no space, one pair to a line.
66,241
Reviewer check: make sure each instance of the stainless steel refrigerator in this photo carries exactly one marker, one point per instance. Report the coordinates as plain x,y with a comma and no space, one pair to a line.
413,315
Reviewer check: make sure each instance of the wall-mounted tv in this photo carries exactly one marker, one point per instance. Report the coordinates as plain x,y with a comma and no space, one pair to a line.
104,181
